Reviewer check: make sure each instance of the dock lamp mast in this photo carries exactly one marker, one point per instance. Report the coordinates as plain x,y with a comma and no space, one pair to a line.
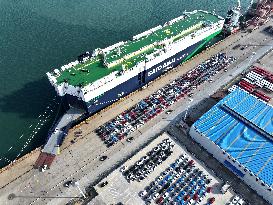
77,184
253,54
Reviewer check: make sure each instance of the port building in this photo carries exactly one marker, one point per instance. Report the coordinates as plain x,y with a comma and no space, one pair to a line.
237,131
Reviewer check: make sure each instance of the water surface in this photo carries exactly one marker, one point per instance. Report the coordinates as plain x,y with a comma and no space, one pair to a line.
39,35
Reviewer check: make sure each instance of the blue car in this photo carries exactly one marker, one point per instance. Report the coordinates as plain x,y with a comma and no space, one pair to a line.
182,202
201,182
178,198
187,189
195,187
114,138
162,182
170,189
192,183
180,180
177,184
201,191
173,165
182,193
168,177
192,192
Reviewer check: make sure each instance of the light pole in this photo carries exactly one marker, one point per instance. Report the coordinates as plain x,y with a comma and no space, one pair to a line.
185,116
186,113
253,54
77,184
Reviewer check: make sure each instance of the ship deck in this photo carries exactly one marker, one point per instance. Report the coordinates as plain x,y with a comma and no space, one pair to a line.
135,51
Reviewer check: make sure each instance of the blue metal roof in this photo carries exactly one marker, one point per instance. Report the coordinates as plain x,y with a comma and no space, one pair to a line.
242,125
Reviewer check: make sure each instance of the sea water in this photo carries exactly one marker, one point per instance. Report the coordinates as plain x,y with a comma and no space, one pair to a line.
37,36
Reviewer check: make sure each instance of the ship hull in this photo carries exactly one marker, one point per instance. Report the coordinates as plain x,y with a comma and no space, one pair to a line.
138,81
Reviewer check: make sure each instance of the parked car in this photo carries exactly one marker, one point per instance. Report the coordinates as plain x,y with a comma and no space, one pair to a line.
212,200
103,184
68,183
102,158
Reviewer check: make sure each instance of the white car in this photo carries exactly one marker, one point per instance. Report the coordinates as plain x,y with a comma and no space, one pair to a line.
122,169
240,202
179,161
155,196
225,187
186,174
142,193
165,195
176,176
56,130
191,202
160,177
235,199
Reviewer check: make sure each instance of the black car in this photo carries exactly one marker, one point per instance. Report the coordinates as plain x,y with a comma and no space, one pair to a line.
168,112
103,184
102,158
129,139
109,144
68,183
237,46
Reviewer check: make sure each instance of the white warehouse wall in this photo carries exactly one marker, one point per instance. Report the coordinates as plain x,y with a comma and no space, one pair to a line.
249,178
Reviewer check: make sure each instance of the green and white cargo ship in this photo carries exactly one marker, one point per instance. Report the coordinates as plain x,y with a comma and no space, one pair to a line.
99,78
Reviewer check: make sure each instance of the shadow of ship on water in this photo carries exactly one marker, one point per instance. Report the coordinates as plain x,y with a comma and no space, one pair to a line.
30,100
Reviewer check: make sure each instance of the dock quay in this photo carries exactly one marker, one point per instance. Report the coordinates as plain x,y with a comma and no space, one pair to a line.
80,161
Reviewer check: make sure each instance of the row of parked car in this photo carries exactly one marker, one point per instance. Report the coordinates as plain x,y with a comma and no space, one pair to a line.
256,80
133,118
237,200
180,184
146,165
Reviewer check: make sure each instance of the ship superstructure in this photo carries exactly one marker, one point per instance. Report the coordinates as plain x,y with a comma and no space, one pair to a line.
99,78
232,20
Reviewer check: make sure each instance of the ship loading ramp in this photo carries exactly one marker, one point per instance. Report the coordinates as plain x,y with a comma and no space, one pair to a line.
55,138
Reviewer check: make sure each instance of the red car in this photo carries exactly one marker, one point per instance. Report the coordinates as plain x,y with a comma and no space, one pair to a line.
209,189
195,197
158,110
191,163
120,136
212,200
187,197
159,200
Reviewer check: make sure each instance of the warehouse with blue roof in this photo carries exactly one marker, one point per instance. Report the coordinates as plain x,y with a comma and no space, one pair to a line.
238,131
